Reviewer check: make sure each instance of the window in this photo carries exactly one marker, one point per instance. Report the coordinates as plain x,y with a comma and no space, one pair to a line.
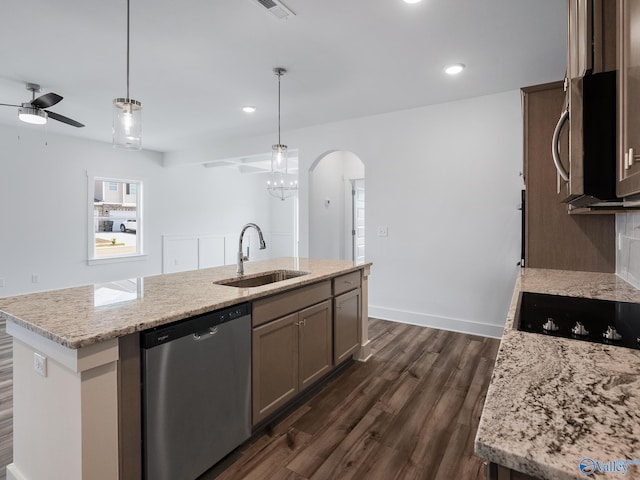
115,218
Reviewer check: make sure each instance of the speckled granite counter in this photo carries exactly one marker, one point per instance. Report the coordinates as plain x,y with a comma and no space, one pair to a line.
552,401
73,318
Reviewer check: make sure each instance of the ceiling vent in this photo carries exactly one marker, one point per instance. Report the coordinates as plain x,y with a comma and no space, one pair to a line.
275,8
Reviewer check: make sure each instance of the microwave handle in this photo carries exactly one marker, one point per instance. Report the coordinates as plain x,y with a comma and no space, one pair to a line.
555,146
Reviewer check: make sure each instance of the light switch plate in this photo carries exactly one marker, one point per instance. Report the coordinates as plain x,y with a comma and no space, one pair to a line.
40,364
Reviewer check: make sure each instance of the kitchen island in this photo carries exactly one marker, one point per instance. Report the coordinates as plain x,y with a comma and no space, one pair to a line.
76,359
553,402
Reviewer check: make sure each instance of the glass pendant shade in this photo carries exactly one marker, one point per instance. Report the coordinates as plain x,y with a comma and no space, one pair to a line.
127,123
279,159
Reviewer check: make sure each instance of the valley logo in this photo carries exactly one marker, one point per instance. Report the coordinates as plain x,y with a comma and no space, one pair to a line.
590,466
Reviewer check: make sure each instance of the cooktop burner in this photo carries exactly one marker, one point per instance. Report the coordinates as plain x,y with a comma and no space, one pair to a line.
599,321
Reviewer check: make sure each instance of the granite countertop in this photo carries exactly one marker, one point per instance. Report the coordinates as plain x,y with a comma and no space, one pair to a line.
552,401
78,317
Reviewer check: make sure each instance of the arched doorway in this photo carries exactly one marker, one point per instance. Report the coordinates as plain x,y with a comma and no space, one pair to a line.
336,207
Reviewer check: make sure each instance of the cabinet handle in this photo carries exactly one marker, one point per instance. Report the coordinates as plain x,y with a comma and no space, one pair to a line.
301,323
348,282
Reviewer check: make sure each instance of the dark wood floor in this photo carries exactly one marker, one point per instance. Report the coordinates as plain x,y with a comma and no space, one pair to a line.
410,412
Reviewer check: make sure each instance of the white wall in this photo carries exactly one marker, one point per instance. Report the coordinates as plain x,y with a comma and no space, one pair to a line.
327,220
445,181
43,208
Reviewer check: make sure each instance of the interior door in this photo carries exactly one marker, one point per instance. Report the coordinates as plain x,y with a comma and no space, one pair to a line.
358,220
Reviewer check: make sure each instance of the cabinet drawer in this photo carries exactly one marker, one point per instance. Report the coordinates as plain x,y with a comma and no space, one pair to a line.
270,308
347,282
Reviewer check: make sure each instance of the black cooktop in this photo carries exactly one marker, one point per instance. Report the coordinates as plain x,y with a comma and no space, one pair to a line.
587,319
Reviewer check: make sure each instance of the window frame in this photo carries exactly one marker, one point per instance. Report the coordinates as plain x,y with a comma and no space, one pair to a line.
92,258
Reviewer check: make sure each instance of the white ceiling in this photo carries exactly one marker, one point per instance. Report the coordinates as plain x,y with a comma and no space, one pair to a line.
195,63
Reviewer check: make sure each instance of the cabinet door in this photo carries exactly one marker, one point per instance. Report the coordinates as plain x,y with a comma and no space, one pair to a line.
315,342
580,56
629,98
275,365
346,325
554,239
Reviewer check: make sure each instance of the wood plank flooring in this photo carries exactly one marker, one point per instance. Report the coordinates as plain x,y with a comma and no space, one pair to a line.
410,412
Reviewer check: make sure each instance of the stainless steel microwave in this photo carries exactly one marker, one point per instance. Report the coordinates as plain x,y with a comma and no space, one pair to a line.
591,115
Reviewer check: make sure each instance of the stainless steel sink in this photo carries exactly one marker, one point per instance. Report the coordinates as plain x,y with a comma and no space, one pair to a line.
261,279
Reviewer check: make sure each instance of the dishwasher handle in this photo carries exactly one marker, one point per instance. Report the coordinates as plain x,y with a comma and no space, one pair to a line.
209,333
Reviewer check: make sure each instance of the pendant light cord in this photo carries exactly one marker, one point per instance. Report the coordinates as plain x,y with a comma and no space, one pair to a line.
128,14
279,75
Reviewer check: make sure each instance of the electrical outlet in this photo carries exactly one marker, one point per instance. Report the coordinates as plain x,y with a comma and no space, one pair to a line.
40,364
383,231
35,278
1,282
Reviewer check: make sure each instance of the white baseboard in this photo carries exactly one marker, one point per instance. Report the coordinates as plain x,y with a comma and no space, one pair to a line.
442,323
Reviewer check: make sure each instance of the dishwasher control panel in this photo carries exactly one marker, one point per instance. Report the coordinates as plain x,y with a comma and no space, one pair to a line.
197,325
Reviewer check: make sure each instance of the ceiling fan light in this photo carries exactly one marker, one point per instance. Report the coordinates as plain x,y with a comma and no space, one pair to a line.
32,115
127,123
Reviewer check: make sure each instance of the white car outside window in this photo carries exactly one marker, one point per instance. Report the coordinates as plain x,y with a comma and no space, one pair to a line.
128,226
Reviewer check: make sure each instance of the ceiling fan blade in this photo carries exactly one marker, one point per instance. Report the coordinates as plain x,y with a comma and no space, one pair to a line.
10,105
63,119
46,100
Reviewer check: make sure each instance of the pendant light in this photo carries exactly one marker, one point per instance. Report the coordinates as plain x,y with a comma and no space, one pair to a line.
279,184
127,113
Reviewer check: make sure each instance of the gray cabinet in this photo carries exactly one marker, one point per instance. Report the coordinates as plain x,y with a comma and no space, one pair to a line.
347,315
298,337
314,340
291,350
274,365
346,325
628,170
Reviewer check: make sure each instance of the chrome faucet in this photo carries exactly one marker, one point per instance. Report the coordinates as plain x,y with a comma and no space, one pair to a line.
241,257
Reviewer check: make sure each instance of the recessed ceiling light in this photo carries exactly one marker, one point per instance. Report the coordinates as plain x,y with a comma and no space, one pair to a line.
248,109
454,69
412,1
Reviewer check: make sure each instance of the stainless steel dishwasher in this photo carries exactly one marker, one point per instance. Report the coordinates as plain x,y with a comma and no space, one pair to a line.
196,392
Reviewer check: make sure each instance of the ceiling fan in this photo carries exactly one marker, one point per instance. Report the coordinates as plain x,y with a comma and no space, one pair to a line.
34,110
